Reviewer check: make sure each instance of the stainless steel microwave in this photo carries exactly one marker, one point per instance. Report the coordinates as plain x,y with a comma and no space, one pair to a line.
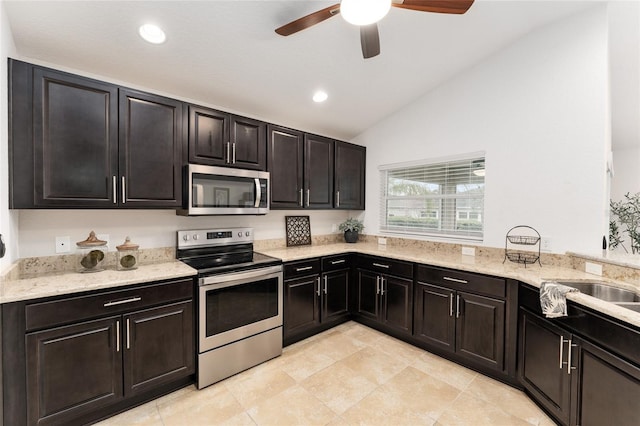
224,191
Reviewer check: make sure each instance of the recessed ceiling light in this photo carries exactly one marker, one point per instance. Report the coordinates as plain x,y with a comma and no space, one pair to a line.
152,33
320,96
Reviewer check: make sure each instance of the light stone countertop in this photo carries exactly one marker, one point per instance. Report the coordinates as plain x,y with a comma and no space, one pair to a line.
46,285
532,274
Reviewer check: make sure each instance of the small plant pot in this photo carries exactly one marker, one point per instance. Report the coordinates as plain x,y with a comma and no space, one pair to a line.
351,236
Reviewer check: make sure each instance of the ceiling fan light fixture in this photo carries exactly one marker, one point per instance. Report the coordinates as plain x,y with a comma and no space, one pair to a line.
152,33
364,12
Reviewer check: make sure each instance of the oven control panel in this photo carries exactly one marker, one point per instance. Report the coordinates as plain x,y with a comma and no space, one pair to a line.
214,237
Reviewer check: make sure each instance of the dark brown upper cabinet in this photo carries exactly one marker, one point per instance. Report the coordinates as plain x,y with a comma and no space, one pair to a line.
285,149
301,166
349,176
220,139
151,140
76,142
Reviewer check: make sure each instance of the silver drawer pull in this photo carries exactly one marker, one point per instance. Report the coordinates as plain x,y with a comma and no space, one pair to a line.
337,262
304,268
380,265
117,336
455,280
122,302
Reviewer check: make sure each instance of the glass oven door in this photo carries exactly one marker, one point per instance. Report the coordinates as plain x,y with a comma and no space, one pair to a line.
236,305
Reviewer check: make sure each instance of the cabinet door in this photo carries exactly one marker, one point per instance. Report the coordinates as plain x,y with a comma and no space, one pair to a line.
435,321
318,172
75,141
158,346
608,388
541,364
150,150
248,143
368,291
73,370
301,305
285,157
349,176
397,300
335,302
208,136
480,329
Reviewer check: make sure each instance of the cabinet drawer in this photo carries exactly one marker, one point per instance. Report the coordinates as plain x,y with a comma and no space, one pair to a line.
301,268
465,281
334,263
65,311
386,266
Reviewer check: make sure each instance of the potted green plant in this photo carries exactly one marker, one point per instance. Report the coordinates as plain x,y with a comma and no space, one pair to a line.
351,227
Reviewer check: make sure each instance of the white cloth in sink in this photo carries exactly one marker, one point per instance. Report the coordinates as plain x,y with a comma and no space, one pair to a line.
553,299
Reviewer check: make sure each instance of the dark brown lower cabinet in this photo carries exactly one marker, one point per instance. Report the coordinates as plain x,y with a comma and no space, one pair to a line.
301,302
576,381
73,370
470,325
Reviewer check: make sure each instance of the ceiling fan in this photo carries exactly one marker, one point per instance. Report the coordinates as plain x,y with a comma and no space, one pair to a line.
366,14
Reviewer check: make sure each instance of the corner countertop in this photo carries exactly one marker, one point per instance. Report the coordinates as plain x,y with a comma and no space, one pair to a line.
532,274
58,284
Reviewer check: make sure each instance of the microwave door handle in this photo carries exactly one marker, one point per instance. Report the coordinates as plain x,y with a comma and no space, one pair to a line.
258,193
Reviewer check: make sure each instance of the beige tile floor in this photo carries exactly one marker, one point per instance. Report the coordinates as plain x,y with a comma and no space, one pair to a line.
349,375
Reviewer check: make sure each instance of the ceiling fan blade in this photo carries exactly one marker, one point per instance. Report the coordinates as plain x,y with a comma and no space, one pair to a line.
439,6
309,20
369,40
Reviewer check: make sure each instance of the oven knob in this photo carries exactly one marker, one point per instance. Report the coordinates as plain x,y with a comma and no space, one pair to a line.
195,236
247,233
239,234
185,237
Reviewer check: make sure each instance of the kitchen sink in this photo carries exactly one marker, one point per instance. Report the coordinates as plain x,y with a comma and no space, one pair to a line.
603,291
630,305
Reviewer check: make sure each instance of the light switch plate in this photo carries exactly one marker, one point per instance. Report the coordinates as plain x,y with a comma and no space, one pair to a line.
382,241
63,244
593,268
469,251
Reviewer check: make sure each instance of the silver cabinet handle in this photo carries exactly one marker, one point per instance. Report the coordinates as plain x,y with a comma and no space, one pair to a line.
455,280
308,197
325,284
457,306
301,200
128,335
228,152
377,284
124,193
337,198
337,262
258,193
304,268
115,189
117,336
318,291
450,304
122,302
382,283
569,367
380,265
561,351
234,153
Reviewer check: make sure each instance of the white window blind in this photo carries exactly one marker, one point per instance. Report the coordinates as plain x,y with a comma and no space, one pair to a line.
443,198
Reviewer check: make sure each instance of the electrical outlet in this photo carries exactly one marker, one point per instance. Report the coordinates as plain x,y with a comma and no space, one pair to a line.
63,244
469,251
545,244
382,241
593,268
334,228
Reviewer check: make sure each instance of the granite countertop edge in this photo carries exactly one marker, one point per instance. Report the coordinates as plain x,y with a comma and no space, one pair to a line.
65,283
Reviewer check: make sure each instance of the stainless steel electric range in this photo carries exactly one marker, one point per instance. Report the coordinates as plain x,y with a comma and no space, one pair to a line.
239,301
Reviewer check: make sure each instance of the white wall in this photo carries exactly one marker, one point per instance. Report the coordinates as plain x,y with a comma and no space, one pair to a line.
626,164
539,109
8,218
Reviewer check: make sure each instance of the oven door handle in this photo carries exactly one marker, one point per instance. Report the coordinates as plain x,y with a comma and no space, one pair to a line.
238,276
258,193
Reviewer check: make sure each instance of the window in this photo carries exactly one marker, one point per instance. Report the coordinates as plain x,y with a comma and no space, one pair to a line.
443,198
